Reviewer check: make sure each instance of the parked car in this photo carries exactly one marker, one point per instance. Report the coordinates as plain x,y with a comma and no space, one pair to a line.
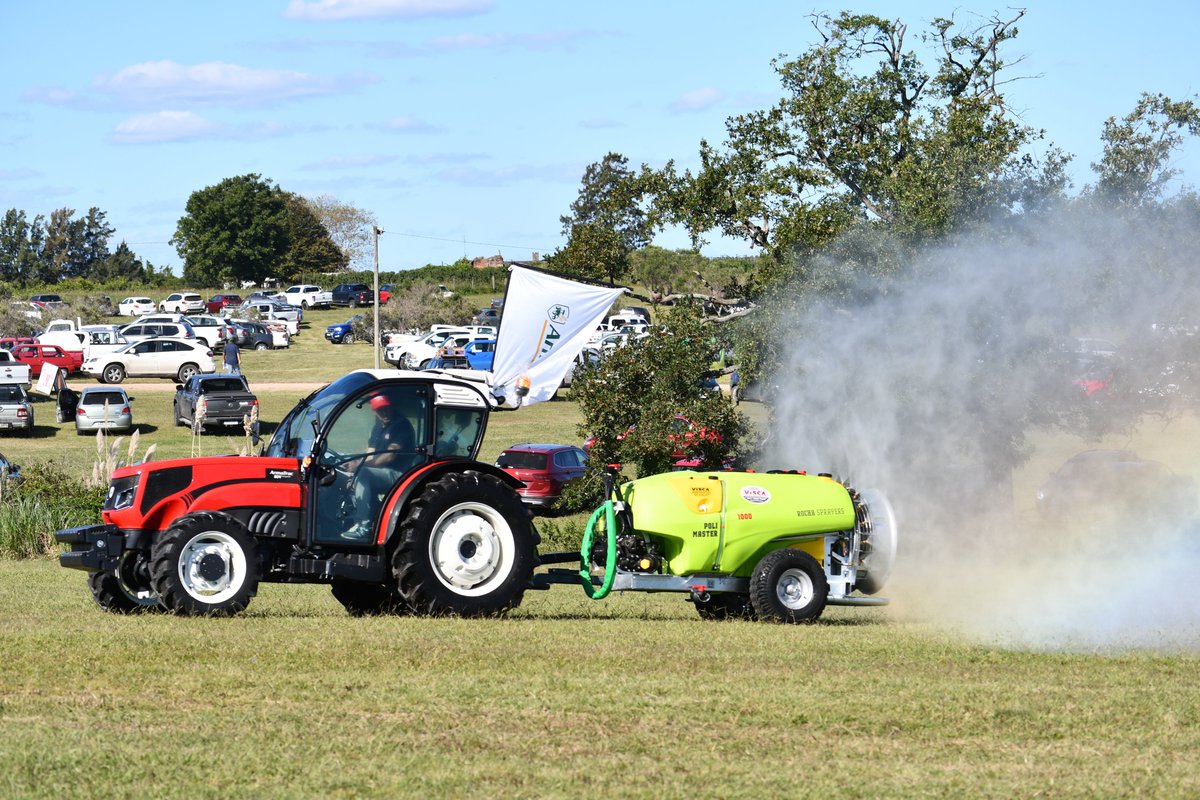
40,356
209,328
182,303
487,316
546,469
685,436
307,295
8,470
588,355
136,306
16,408
103,408
9,342
49,300
13,369
216,304
385,294
222,401
477,354
342,332
152,358
352,294
137,331
420,353
269,311
253,335
1114,485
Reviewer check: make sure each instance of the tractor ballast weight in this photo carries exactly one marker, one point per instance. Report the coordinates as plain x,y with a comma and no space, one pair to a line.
777,546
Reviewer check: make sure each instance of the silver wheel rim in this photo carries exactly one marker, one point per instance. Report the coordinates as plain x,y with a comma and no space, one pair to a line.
113,375
212,567
795,589
471,549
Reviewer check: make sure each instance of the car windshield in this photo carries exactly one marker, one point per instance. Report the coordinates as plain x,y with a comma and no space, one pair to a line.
11,394
222,385
520,459
294,437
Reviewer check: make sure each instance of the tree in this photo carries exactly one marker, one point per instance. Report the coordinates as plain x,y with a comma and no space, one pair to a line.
311,249
607,222
662,371
348,226
234,231
1135,167
94,244
20,246
865,132
63,247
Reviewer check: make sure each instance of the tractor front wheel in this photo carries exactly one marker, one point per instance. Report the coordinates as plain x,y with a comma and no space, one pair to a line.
125,590
467,547
788,585
368,599
205,564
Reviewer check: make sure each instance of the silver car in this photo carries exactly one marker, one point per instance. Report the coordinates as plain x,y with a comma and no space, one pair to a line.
16,408
103,408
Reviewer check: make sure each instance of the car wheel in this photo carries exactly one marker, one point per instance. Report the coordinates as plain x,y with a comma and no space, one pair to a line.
113,373
348,339
354,302
304,304
260,345
187,371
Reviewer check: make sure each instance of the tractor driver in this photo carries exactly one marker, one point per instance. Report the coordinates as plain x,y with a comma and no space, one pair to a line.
391,448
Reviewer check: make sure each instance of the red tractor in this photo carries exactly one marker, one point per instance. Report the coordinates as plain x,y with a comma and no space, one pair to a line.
369,485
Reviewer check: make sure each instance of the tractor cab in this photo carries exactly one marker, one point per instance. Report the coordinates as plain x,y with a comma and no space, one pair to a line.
359,436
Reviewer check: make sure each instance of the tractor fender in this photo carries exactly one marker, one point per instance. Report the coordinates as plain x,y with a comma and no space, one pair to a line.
410,486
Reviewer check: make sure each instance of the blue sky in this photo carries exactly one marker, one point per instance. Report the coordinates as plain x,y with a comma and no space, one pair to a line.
465,125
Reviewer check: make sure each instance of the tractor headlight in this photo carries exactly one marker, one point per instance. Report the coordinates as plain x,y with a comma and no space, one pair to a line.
121,493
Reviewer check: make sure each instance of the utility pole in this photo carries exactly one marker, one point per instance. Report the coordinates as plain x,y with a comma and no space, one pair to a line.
376,230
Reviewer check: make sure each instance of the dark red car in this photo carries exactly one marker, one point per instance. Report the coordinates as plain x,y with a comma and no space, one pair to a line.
545,468
38,356
216,304
684,437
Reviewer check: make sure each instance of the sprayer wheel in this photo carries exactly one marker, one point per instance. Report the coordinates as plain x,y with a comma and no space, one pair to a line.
788,585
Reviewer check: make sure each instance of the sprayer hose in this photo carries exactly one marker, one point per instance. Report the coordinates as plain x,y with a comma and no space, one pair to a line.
585,553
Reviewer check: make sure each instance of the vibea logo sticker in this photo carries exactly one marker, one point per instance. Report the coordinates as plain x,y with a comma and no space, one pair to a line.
755,494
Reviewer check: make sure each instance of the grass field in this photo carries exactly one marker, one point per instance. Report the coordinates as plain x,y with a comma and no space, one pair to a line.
634,696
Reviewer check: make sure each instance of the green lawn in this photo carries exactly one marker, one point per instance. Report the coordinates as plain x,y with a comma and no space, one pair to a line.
634,696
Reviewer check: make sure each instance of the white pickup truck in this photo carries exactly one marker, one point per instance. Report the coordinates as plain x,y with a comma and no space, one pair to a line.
307,296
13,370
90,340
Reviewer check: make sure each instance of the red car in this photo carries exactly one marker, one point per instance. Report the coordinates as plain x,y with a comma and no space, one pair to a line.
39,355
546,469
216,304
684,435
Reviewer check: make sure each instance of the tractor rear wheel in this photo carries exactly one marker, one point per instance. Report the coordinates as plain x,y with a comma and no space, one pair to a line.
368,599
788,585
205,564
723,606
467,547
125,590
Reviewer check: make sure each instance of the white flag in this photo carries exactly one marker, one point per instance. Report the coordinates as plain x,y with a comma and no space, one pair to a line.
547,320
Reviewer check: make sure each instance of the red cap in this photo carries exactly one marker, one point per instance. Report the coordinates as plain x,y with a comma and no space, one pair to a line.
380,401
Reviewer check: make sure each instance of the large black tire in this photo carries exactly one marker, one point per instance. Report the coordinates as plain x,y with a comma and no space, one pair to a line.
368,599
466,546
127,589
788,585
113,373
204,564
723,606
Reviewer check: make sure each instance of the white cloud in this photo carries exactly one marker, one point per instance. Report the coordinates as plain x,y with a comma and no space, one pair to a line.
698,100
164,126
215,83
407,125
337,10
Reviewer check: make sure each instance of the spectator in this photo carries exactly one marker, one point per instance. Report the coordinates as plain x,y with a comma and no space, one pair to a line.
233,358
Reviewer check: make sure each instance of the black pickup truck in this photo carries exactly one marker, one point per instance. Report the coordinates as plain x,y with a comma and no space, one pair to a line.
222,401
352,294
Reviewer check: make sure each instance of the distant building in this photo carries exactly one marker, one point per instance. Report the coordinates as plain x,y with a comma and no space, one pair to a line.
488,262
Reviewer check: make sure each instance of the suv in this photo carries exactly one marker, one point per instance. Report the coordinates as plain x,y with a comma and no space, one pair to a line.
137,331
182,303
352,294
216,304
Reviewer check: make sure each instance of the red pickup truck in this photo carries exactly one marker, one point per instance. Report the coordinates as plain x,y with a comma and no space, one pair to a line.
38,356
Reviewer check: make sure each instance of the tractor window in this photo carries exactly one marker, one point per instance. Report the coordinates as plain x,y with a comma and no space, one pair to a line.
294,436
458,430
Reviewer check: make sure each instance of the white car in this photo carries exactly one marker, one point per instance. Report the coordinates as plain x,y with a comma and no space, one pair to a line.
208,327
136,331
306,295
152,358
136,306
424,347
182,303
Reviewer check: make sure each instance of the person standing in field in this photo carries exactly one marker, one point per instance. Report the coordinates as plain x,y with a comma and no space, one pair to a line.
233,358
